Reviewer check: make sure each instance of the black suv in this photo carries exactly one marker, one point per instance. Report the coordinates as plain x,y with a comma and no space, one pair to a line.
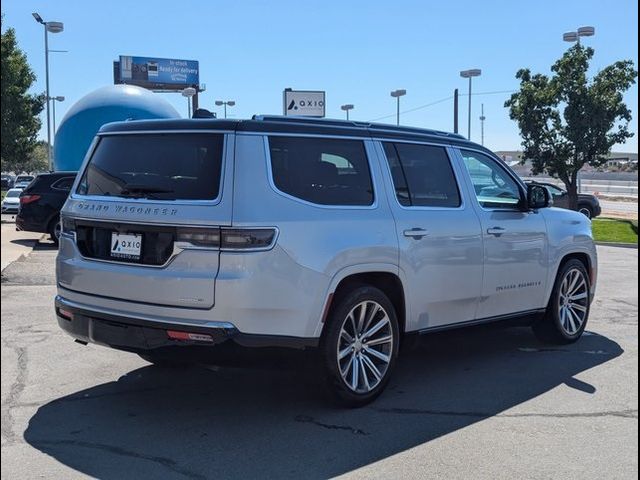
588,204
41,201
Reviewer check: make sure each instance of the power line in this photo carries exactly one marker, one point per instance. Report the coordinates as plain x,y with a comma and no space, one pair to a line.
427,105
413,109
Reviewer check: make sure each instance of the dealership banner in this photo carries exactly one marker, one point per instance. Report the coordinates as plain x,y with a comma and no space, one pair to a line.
159,73
304,103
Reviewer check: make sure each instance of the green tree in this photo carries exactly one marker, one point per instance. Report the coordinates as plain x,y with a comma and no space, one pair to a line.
19,109
568,120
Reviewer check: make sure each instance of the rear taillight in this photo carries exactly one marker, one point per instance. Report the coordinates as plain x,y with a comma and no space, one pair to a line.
25,199
228,238
199,237
247,238
68,225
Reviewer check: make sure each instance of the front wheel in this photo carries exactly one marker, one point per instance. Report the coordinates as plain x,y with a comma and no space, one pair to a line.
360,346
568,310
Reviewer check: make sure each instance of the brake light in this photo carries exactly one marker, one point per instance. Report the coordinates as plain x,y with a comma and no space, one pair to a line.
68,225
228,238
247,238
24,199
185,336
199,237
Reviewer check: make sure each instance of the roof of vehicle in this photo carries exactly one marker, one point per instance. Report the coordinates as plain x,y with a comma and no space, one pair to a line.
14,190
294,125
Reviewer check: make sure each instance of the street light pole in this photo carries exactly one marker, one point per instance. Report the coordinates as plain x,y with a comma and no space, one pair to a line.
397,94
189,92
53,110
53,27
220,103
482,119
346,108
475,72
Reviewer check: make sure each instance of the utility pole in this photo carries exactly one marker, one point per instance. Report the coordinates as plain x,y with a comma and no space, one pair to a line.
482,119
455,111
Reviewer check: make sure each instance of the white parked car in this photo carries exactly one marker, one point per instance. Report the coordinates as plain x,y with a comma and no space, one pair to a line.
334,236
11,201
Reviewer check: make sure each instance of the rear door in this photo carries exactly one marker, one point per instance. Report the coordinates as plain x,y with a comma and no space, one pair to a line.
143,222
438,233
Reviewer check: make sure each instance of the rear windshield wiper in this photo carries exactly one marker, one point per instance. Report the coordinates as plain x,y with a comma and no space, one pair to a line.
142,191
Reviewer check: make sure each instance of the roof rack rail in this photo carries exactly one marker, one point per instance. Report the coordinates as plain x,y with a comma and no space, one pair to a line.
309,120
354,124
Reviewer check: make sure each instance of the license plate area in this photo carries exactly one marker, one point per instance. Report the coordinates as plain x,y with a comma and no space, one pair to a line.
126,246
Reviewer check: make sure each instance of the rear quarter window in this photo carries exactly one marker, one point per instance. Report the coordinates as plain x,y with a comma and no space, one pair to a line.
172,166
324,171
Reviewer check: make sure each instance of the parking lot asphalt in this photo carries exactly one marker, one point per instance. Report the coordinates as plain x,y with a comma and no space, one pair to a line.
476,403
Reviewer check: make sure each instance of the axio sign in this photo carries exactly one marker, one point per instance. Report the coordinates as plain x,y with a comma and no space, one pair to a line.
303,103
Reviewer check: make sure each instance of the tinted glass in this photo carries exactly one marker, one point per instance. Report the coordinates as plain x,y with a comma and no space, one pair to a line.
64,183
397,173
24,178
422,175
493,186
322,170
13,193
160,166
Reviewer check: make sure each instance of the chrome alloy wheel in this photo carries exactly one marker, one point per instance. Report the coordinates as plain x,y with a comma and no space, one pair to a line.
365,346
573,301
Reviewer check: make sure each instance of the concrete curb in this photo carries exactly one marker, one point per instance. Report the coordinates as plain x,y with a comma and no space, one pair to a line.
620,245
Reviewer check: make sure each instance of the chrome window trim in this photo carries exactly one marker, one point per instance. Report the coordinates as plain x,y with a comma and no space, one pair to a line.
365,141
146,201
499,162
452,162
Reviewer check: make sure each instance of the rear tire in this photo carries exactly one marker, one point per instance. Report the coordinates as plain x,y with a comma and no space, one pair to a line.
55,229
586,211
359,347
568,311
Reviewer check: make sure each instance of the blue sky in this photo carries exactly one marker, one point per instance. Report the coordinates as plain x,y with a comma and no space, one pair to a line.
357,51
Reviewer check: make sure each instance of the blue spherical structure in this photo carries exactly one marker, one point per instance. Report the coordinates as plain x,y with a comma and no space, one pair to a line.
112,103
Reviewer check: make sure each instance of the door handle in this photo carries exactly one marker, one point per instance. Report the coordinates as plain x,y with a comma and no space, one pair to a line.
416,233
497,231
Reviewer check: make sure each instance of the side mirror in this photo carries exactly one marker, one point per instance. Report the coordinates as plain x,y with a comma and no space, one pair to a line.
538,196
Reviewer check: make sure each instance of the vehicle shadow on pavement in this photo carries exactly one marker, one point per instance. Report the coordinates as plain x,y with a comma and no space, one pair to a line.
275,423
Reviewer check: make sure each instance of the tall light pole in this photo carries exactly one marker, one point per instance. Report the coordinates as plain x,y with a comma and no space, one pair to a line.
53,27
397,94
482,119
189,92
346,108
59,98
231,103
474,72
586,31
581,32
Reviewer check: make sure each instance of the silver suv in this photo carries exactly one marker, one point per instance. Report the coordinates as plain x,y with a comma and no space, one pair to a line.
182,238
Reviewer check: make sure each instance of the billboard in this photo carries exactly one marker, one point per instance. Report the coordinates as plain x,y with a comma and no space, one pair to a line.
303,103
158,73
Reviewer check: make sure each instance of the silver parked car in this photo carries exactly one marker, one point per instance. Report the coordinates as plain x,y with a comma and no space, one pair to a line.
184,237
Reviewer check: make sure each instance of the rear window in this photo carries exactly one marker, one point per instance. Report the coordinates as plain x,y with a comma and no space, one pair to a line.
24,178
160,166
324,171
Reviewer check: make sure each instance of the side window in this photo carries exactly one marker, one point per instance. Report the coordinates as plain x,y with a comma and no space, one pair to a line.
493,186
64,184
325,171
422,175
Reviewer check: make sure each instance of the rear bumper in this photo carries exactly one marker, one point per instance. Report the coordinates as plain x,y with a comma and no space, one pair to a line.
25,226
10,209
139,335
